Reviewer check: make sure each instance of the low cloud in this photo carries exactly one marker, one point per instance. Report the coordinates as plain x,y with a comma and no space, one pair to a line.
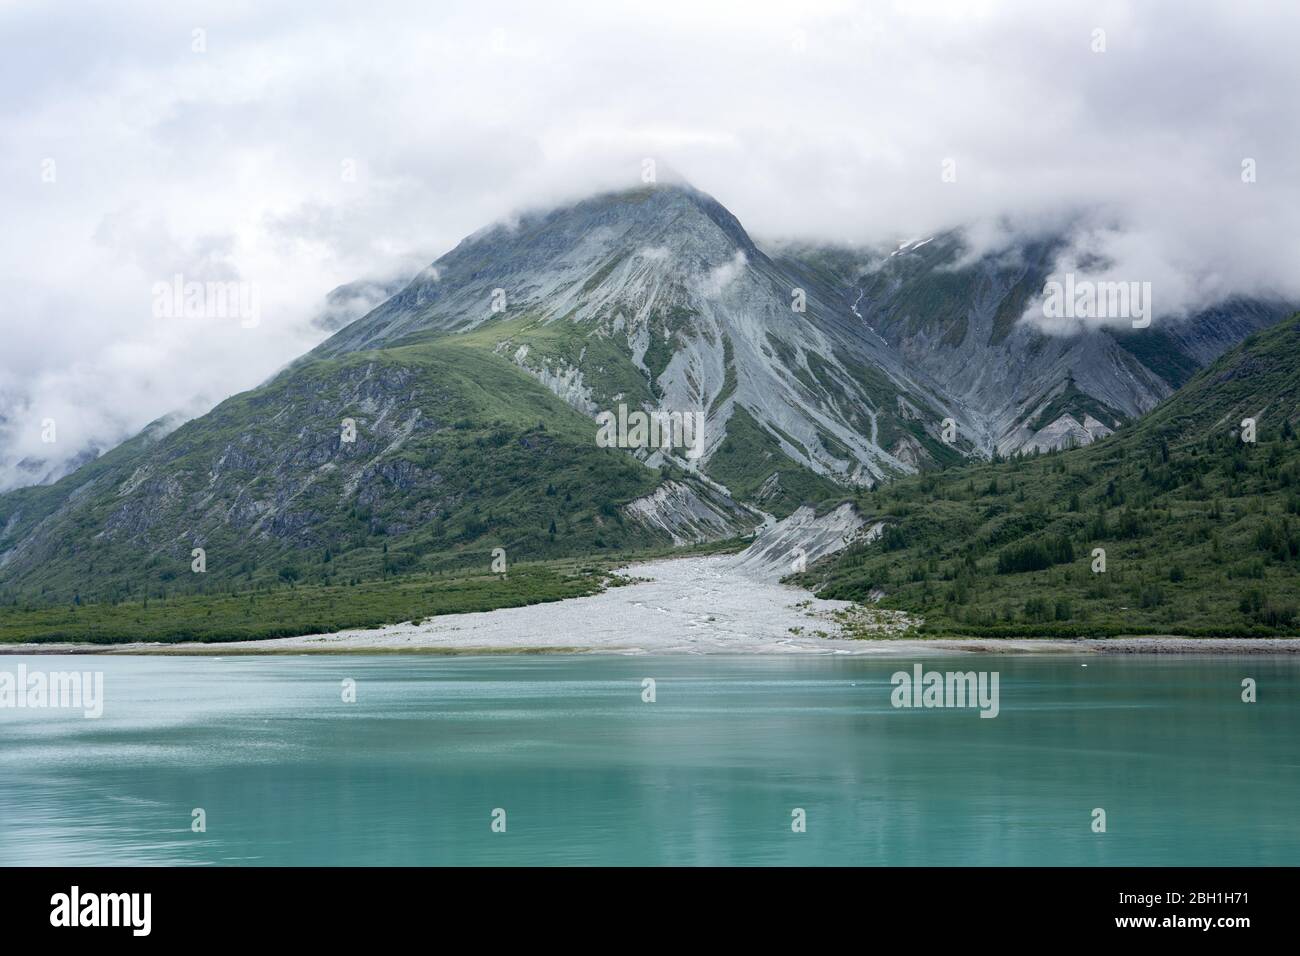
717,279
301,150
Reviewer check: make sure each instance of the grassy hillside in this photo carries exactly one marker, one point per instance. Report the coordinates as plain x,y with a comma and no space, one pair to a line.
1201,530
456,452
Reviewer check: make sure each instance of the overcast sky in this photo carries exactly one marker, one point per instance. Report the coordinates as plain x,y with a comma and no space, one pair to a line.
298,146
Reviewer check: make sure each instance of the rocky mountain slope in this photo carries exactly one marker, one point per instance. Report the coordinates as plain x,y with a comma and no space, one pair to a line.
658,298
960,321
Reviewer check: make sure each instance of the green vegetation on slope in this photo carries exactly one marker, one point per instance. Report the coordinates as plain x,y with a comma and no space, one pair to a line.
1201,530
750,463
456,452
1157,350
607,367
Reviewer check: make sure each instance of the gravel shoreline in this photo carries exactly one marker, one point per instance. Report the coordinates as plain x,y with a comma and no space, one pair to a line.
882,647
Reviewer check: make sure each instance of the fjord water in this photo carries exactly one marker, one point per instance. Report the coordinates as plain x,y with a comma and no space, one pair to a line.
709,773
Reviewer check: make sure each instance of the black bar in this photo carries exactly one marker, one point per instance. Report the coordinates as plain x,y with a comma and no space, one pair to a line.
332,906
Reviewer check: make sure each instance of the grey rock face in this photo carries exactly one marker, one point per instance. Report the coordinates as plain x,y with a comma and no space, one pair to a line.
960,323
674,307
791,545
691,513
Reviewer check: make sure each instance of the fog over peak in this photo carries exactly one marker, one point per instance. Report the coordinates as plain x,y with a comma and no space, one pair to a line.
300,147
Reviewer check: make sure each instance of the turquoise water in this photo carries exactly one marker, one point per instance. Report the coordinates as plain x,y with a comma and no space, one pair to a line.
707,774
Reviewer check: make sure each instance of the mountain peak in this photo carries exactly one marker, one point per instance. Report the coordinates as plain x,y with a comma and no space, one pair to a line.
649,206
548,261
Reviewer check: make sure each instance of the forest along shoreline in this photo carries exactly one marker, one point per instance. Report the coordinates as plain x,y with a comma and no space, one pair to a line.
695,605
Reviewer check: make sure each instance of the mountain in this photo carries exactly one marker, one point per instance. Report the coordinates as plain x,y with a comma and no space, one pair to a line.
659,298
957,318
1200,527
455,452
475,389
659,295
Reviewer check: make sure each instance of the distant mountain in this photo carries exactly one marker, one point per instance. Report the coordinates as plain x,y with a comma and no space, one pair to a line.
33,470
959,321
1193,513
349,302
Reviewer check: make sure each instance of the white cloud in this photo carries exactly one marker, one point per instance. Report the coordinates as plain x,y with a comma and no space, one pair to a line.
823,120
716,280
